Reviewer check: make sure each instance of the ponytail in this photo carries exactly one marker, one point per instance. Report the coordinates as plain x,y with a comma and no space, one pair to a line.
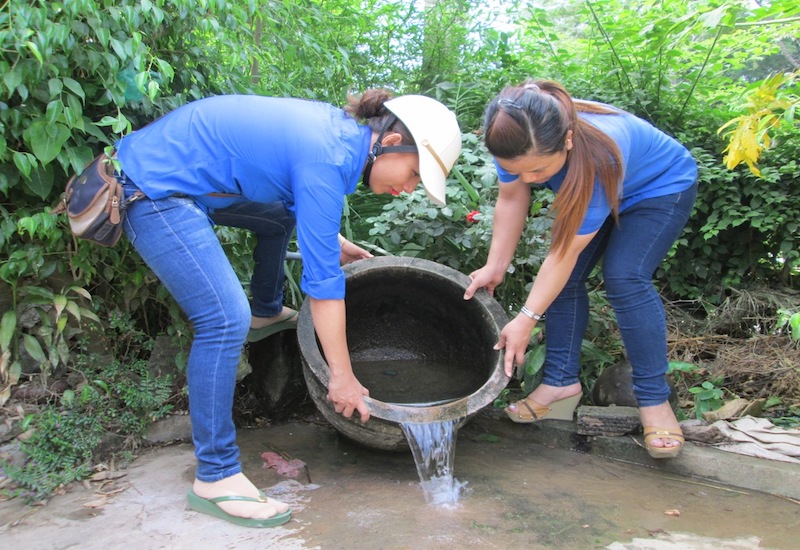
370,109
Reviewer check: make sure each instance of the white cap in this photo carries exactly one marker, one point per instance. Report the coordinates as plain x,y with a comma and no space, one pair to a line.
435,131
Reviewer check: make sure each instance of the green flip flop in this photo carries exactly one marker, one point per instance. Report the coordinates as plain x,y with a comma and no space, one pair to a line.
289,322
209,506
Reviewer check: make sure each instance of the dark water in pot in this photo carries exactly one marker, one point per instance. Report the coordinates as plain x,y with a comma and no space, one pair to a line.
424,353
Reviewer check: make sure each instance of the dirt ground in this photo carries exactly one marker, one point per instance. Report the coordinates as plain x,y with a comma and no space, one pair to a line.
516,494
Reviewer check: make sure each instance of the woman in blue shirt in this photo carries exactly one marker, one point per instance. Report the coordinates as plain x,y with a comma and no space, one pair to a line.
268,165
624,191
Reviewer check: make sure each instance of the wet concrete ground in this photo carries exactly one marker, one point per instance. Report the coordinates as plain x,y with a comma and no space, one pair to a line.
519,495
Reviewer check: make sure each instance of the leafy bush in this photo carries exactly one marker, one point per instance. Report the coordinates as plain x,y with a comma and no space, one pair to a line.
59,452
114,400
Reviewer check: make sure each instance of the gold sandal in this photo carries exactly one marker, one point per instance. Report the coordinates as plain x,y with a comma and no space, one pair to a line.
529,411
651,433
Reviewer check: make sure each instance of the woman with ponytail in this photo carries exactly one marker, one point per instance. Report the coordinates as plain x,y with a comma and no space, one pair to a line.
624,191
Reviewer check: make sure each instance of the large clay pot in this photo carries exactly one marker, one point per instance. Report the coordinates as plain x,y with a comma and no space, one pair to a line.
614,386
276,384
424,352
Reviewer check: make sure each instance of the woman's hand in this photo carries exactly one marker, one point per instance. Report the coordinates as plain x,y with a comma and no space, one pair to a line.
515,337
352,252
347,395
484,277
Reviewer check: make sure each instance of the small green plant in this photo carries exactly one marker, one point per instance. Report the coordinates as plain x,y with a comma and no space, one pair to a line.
59,452
791,322
61,316
707,397
790,419
681,370
119,399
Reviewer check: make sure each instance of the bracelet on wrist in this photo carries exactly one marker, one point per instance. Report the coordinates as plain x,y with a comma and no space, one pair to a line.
531,315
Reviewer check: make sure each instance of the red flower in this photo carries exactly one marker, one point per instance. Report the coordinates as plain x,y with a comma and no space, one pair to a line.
471,216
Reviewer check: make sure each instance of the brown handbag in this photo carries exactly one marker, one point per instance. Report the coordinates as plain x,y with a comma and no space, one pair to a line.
94,204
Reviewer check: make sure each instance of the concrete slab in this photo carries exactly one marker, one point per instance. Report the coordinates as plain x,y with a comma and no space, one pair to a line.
524,488
695,461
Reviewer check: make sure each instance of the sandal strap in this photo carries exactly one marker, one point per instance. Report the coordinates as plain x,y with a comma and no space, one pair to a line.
262,499
537,411
663,433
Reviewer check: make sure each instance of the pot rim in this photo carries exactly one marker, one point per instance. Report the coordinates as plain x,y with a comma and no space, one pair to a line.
459,408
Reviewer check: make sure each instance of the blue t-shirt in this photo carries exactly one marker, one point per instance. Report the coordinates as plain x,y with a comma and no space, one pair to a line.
654,165
306,154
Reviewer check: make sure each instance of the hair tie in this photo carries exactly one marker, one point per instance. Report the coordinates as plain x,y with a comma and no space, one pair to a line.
509,103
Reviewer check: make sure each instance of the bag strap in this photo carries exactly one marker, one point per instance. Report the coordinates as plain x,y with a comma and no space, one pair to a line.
135,197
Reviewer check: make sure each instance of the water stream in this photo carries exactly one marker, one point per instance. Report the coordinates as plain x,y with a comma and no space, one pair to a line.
433,445
413,383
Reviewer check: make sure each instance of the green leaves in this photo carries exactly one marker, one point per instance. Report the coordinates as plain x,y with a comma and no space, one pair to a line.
10,370
46,139
12,78
707,397
790,321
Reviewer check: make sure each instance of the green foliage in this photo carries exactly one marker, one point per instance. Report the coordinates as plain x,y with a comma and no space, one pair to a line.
743,230
681,66
790,421
708,394
791,322
66,439
76,75
707,397
60,316
125,398
59,452
769,105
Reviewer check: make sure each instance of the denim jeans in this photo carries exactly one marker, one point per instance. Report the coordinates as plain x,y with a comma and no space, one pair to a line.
631,251
177,241
273,226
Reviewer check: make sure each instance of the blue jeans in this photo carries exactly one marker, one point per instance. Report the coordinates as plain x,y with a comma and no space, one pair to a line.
177,241
631,251
273,226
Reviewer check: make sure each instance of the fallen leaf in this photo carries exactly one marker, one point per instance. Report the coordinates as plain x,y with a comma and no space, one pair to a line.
107,474
287,468
116,491
96,503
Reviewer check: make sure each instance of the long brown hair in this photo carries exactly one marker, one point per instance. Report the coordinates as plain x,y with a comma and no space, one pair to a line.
534,118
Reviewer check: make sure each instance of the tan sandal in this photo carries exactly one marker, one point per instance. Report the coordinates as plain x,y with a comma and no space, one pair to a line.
651,433
529,411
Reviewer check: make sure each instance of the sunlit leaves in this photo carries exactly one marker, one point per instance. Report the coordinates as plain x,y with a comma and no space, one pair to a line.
767,107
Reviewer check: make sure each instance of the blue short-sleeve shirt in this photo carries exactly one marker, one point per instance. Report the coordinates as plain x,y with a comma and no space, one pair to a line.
306,154
654,165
